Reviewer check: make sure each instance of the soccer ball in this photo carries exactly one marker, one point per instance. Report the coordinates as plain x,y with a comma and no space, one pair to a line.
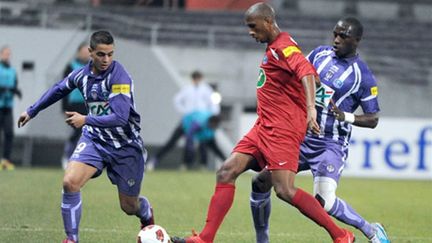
153,234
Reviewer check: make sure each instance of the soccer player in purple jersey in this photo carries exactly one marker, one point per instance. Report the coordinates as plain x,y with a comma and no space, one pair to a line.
346,84
110,135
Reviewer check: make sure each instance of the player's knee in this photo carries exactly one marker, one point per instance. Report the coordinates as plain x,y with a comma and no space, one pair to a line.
261,184
325,193
70,185
226,174
284,192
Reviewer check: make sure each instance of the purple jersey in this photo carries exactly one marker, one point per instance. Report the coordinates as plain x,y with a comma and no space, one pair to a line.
349,83
111,117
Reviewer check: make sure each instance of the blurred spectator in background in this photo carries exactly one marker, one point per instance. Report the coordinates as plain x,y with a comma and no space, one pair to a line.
201,126
8,88
194,97
74,101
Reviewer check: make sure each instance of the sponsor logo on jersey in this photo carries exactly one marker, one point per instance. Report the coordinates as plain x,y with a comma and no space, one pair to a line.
261,78
290,50
323,95
99,108
337,83
374,90
120,89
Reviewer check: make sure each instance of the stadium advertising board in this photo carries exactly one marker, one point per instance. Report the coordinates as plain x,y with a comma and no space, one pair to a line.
398,148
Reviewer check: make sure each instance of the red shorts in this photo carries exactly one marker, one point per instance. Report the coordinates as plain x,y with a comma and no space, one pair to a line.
274,149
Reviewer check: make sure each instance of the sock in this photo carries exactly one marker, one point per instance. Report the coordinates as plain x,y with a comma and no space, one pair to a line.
219,205
71,213
344,213
144,212
311,208
261,206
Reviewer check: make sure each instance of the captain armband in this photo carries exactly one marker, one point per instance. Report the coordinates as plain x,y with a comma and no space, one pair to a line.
349,117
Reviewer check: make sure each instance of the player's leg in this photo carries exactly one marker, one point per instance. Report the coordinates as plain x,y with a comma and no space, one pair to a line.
283,182
325,185
138,206
8,140
202,147
125,169
260,204
75,177
222,198
175,136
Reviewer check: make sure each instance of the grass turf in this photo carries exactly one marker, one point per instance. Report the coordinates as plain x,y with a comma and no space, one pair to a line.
30,208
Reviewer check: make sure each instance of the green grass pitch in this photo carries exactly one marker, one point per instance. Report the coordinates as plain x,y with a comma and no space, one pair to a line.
30,208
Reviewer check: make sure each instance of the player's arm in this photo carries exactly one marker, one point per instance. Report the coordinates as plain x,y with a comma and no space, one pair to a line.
369,120
368,96
55,93
120,104
309,82
303,69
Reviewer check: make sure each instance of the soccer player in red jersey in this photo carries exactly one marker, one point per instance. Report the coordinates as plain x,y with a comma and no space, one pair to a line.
286,109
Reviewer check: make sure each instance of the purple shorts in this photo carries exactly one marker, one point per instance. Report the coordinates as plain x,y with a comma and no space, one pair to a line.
125,165
324,157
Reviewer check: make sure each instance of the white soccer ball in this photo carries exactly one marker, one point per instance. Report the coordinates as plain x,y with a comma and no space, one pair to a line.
153,234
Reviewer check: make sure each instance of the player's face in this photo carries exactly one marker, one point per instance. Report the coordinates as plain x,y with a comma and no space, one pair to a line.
259,28
102,57
344,42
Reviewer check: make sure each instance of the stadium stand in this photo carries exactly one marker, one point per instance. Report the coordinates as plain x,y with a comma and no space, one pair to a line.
398,49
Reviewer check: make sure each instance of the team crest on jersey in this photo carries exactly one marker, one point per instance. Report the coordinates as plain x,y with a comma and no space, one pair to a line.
265,60
330,168
105,95
94,92
261,78
131,182
330,73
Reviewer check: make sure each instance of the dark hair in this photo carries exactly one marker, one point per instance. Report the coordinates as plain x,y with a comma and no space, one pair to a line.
101,37
196,75
357,27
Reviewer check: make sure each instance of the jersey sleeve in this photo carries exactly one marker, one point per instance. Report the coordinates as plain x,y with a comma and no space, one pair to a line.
119,100
55,93
297,63
368,94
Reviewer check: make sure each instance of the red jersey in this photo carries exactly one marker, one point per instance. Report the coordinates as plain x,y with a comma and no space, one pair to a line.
280,93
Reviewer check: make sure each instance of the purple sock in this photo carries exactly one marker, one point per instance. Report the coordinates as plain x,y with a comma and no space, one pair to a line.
144,212
71,213
260,204
344,213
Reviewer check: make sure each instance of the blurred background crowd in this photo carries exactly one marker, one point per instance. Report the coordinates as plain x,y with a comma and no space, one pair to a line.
163,42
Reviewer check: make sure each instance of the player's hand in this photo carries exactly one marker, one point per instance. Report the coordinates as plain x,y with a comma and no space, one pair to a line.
311,120
75,119
23,119
339,115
